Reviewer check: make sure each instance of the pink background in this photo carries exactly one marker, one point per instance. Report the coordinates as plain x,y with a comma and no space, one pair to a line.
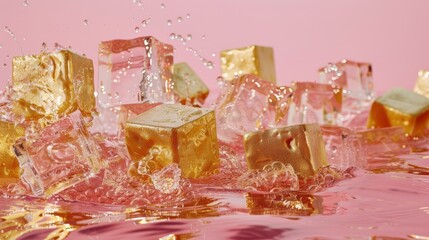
391,34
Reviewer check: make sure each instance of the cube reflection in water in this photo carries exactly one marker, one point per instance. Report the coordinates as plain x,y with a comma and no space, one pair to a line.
9,166
422,83
301,146
315,103
62,154
354,77
171,133
135,70
188,87
51,85
250,103
401,107
256,60
292,203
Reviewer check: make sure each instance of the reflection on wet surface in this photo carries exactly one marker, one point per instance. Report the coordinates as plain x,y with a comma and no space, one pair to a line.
387,200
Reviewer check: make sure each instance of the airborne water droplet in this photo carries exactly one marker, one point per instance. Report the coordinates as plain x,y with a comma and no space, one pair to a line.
203,37
145,22
85,22
162,5
169,22
179,19
189,37
188,16
25,3
210,64
172,36
137,29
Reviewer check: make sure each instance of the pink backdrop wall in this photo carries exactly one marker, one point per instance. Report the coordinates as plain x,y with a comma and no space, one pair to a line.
306,34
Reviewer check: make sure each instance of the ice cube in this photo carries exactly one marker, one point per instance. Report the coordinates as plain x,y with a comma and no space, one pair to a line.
315,103
63,154
135,70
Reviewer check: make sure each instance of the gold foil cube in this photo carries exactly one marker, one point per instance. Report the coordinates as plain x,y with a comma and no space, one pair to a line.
51,85
400,107
254,59
422,83
188,86
172,133
301,146
9,165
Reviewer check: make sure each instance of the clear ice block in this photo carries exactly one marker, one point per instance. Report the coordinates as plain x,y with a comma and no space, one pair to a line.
135,70
401,107
173,133
422,83
52,85
188,86
315,103
383,141
301,146
256,60
355,78
63,154
250,103
342,147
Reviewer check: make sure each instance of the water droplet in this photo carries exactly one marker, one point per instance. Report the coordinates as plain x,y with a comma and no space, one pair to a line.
169,22
7,29
145,22
209,64
213,54
85,22
172,36
137,29
162,5
25,3
179,19
189,37
4,65
0,46
203,37
188,16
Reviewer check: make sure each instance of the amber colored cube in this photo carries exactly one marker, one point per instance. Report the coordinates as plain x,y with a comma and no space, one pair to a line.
128,111
51,85
9,166
315,103
400,107
135,70
188,86
256,60
422,83
301,146
172,133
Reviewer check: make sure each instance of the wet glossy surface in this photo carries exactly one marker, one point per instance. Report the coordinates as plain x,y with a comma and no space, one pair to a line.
389,199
